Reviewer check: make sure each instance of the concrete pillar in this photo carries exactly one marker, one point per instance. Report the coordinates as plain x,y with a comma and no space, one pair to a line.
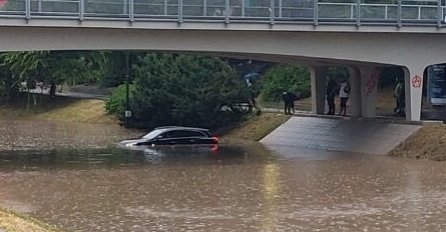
318,87
369,86
355,91
413,76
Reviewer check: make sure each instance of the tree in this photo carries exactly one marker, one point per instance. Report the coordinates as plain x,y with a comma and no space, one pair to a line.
294,78
56,66
184,90
49,68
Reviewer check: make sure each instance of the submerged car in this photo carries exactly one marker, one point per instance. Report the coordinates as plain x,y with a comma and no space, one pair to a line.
172,135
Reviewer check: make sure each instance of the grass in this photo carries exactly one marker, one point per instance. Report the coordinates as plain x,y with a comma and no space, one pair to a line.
258,127
13,222
57,109
428,143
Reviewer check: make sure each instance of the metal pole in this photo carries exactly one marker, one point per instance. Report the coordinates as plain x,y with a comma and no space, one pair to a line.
39,6
439,15
271,7
124,7
127,113
127,75
205,7
131,11
81,9
358,13
180,11
400,12
316,12
227,8
280,8
165,7
243,8
28,9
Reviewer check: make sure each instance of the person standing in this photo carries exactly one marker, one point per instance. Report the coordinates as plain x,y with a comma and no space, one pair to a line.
331,94
287,103
344,92
400,98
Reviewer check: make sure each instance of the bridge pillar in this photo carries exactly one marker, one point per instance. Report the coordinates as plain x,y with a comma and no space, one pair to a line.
355,93
369,86
413,76
318,86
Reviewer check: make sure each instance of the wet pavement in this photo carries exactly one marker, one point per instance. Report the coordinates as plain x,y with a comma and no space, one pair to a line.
243,187
338,135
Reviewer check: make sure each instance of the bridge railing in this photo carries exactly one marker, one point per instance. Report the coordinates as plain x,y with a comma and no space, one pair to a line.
407,12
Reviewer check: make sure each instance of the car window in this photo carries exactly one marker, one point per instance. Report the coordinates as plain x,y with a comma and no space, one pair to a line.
169,134
192,134
183,133
153,134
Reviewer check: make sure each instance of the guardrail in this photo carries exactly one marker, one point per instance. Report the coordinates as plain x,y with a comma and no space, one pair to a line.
229,11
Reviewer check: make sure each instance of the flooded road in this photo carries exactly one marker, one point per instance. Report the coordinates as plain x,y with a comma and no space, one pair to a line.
243,187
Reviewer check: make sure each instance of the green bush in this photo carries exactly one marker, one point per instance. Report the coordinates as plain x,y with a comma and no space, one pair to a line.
116,104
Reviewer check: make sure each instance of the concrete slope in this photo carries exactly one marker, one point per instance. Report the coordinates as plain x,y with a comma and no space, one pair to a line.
303,134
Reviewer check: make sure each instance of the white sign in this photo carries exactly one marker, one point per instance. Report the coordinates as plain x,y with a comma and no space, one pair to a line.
128,113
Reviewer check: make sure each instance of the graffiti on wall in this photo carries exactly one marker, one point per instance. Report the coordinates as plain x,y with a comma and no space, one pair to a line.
372,82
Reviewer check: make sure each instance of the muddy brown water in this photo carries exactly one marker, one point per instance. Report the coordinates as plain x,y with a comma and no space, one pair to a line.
73,177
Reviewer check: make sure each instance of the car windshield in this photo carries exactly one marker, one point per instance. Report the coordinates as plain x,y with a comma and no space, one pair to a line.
153,134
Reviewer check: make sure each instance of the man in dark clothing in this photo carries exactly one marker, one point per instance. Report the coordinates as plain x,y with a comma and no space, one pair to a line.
331,94
400,98
287,102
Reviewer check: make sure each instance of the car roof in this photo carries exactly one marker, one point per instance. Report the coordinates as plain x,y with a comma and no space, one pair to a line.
169,128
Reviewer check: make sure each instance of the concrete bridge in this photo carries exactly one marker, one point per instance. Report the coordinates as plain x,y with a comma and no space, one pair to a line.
359,34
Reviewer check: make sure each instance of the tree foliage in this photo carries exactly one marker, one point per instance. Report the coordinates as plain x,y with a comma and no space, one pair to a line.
294,78
183,90
116,104
32,67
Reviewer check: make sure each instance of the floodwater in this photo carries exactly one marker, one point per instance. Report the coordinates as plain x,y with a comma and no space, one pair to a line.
243,187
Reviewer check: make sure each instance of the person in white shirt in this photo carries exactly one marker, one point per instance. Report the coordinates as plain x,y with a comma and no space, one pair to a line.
344,92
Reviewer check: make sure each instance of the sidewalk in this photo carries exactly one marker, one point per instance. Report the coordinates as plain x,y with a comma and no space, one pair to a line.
73,94
337,135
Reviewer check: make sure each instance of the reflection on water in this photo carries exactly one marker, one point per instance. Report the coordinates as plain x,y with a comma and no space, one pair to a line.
29,160
243,187
24,135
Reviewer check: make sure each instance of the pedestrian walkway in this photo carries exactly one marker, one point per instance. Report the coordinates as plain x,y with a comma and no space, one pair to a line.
337,135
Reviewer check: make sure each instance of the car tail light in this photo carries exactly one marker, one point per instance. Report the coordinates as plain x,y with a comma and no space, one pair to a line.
214,139
214,149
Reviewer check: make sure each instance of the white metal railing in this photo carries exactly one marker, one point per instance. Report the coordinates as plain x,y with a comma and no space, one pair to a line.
432,12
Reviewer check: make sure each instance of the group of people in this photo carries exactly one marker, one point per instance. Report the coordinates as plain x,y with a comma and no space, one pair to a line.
333,89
